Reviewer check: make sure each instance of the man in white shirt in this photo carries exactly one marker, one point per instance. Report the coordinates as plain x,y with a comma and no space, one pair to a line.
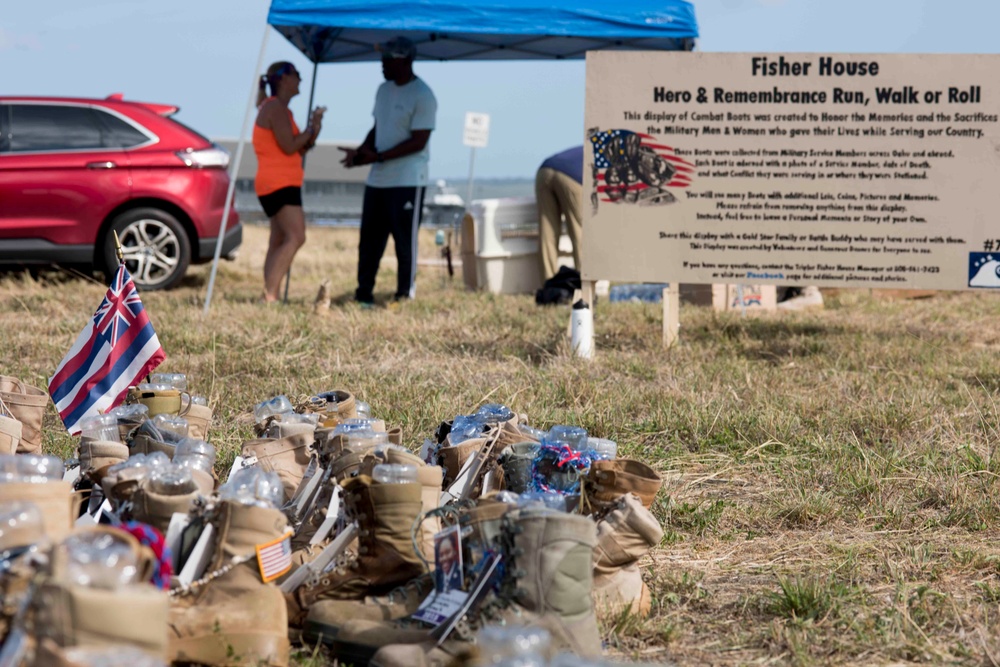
397,149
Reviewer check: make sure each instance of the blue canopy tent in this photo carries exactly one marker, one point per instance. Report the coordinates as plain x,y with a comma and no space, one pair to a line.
349,30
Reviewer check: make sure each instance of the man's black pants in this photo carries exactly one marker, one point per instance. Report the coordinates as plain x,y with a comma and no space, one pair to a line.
396,211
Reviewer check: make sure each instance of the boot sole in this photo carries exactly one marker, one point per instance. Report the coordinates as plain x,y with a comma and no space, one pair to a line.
221,650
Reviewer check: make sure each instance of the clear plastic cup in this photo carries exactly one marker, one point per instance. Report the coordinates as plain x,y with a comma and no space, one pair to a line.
394,473
101,427
603,448
575,437
253,486
493,413
173,424
172,380
99,560
273,406
363,409
171,480
194,453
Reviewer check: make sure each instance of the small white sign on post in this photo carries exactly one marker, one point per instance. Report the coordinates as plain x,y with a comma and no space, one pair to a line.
477,129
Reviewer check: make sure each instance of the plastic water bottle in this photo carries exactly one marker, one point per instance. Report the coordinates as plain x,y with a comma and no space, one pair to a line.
394,473
603,448
582,330
98,560
253,486
574,437
274,406
465,427
494,413
171,480
172,424
174,380
510,645
193,453
101,427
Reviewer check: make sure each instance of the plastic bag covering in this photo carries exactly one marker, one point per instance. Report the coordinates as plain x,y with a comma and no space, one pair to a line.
348,30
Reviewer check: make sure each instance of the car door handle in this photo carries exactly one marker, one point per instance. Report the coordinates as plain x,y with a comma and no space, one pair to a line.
101,165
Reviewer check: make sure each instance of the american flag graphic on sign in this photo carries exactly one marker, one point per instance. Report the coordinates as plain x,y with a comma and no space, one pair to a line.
632,167
275,558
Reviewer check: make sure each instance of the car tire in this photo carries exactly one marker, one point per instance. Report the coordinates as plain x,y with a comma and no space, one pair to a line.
156,248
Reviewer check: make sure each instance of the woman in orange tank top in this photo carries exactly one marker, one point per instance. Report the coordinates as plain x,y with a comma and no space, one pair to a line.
279,146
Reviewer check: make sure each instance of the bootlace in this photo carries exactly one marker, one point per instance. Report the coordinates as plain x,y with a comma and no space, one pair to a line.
188,589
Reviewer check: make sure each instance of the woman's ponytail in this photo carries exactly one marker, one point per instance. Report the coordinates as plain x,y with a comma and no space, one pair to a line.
262,89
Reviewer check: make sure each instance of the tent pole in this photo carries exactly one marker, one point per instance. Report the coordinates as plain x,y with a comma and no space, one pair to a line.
235,168
312,95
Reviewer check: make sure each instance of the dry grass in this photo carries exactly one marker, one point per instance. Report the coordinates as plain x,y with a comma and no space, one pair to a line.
831,477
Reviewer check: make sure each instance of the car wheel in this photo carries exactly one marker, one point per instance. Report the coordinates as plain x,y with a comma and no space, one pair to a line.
155,247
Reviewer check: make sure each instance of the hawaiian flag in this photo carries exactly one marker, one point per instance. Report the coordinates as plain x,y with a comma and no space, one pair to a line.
116,348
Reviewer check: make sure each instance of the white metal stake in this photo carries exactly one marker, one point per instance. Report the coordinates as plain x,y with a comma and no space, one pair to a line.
235,167
472,164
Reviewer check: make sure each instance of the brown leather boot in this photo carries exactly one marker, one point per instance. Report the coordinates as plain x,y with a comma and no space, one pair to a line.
608,481
96,456
548,580
233,617
199,421
386,556
156,509
288,457
69,614
624,535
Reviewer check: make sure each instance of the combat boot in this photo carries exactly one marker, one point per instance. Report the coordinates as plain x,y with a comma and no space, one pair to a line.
288,457
26,404
230,616
70,614
386,556
147,439
429,477
609,480
548,578
199,421
10,433
325,617
624,535
56,501
96,456
152,506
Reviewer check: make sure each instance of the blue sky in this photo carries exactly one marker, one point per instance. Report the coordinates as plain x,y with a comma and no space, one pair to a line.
199,54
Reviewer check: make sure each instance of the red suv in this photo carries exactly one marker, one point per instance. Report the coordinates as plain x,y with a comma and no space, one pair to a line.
73,170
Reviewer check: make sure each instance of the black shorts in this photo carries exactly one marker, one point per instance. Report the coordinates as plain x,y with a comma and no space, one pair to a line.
273,202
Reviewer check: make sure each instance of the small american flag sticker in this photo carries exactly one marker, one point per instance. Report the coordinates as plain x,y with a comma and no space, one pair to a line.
275,558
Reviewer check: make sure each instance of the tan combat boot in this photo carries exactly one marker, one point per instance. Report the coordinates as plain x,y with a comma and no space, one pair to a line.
96,456
232,617
156,509
430,478
386,556
608,481
516,462
26,404
624,535
199,421
288,457
10,433
69,614
55,500
548,580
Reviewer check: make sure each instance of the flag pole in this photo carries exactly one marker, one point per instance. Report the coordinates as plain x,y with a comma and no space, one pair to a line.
118,248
